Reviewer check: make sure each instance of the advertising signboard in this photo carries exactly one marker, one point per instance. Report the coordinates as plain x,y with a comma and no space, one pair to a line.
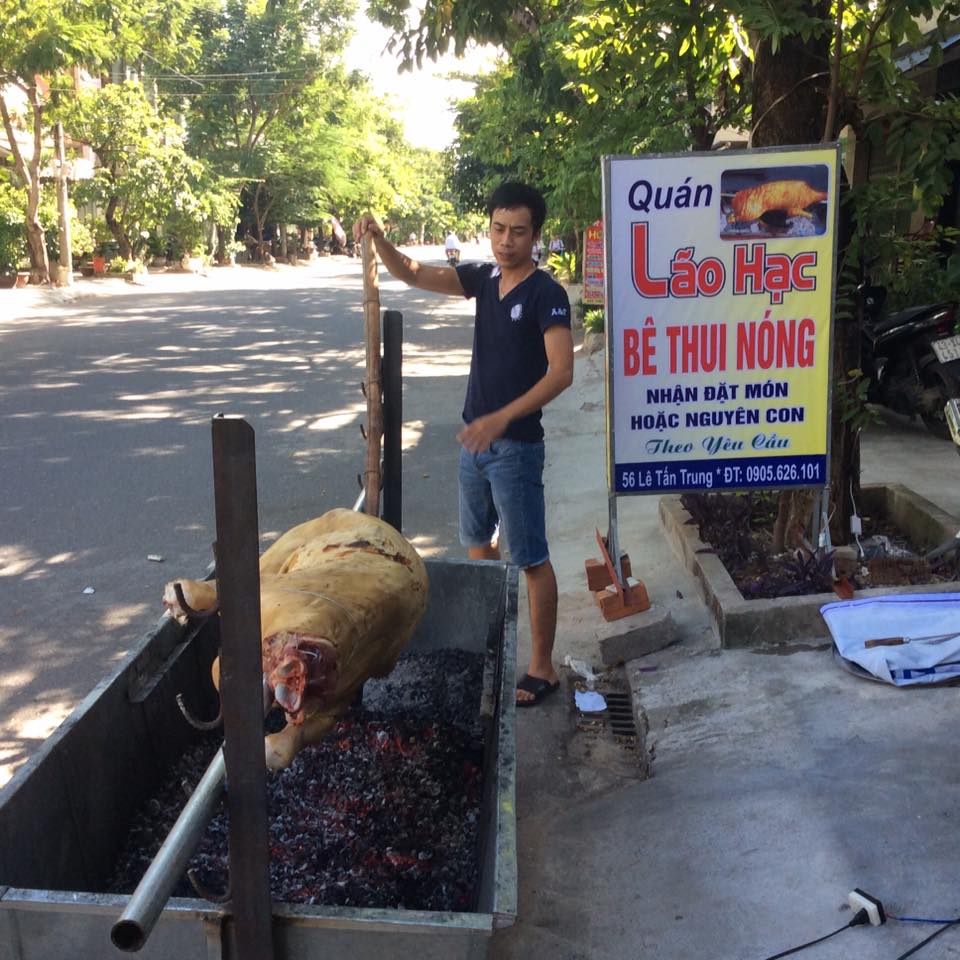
720,286
593,265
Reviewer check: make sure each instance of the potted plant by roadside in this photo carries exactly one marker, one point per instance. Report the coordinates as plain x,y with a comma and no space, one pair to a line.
232,248
156,251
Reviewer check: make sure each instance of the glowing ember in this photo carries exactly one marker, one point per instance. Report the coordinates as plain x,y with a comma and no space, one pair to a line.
382,813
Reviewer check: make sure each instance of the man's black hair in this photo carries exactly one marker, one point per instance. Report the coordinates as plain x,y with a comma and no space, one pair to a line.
509,196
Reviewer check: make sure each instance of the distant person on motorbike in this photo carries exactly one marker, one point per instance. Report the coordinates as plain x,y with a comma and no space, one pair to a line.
451,247
339,244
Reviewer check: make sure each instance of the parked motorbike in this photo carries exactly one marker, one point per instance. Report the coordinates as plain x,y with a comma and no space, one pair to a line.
912,358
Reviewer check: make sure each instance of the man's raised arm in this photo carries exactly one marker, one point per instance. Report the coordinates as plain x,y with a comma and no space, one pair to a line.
412,273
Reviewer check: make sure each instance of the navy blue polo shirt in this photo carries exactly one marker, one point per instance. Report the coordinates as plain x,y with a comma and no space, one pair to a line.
508,352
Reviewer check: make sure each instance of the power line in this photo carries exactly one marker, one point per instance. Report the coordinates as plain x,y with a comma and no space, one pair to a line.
214,76
174,69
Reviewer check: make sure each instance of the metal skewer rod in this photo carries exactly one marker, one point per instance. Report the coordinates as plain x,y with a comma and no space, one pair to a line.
130,932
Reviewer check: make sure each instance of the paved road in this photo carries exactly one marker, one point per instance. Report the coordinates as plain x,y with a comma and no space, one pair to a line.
105,407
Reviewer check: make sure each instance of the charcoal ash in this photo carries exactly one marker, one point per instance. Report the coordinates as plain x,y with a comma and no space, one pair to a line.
442,685
156,817
384,812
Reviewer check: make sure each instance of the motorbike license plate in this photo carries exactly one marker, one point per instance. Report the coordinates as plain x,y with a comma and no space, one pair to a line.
948,349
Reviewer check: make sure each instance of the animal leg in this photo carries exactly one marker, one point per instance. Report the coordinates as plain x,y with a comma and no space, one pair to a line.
280,748
201,596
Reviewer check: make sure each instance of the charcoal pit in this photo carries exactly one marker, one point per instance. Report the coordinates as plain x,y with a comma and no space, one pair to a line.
393,837
384,812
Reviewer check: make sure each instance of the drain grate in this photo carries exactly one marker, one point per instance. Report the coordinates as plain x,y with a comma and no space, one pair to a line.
617,721
613,739
620,714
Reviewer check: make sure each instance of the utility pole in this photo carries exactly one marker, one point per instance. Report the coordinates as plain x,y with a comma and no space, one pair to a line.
65,270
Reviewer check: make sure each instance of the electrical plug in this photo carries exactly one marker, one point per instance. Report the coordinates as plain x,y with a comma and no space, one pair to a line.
859,900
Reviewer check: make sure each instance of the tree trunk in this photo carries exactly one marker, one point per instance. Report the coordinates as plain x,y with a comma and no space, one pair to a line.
791,87
259,219
845,437
63,207
790,93
29,173
221,232
36,238
125,248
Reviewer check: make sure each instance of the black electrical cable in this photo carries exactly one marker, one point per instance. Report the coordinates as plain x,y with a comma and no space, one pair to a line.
933,936
859,918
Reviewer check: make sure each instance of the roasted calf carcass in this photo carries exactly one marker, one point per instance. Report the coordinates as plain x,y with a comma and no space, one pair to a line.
791,196
339,597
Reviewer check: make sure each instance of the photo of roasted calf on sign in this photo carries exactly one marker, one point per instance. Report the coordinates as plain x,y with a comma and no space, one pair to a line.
340,596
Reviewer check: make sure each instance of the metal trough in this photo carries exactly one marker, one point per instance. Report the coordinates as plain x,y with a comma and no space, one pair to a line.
66,812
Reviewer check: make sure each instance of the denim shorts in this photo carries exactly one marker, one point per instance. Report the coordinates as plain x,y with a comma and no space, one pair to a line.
504,486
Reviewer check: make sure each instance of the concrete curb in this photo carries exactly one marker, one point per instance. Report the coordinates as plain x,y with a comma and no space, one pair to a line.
635,636
749,623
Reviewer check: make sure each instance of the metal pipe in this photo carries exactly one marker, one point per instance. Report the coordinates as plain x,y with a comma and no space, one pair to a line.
130,932
393,418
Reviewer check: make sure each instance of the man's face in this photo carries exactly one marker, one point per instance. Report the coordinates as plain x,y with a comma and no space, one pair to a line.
512,236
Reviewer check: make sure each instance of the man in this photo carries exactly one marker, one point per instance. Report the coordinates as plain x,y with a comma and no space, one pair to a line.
522,359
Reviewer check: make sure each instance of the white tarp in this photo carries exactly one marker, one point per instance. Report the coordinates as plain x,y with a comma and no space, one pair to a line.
929,625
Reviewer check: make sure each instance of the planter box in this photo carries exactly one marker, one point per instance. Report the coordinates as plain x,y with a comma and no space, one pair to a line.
746,623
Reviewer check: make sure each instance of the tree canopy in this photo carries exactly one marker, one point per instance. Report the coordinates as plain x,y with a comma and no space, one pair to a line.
210,111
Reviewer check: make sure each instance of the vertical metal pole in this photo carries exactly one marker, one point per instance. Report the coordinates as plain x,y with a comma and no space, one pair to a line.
393,418
613,536
823,501
241,684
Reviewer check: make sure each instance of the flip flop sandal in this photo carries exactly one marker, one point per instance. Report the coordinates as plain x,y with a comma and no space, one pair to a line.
538,687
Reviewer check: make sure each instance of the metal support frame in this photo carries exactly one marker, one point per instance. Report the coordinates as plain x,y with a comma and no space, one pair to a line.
241,685
613,537
392,377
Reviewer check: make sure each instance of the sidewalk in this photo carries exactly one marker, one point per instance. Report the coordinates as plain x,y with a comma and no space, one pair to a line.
779,783
24,301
